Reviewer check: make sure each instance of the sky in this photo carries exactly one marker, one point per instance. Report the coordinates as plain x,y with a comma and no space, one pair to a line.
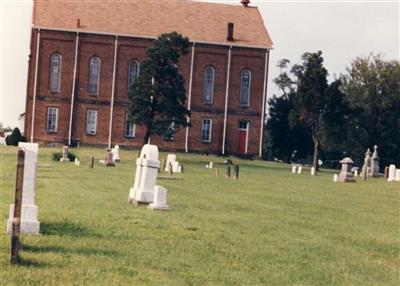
341,29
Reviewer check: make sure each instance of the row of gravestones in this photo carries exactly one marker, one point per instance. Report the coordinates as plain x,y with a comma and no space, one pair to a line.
369,169
144,190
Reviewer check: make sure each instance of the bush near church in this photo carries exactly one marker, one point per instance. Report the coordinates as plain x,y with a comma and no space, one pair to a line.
58,155
15,137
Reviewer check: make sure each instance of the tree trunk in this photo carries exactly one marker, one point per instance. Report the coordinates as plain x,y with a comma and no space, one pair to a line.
316,153
147,135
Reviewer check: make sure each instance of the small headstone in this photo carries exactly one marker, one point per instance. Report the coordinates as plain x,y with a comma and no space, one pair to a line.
109,162
346,175
355,172
294,169
397,179
211,165
299,170
367,163
77,162
64,157
392,173
335,178
115,152
312,171
160,199
386,173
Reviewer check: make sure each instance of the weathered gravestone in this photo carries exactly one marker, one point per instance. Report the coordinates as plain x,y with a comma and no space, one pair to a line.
312,171
346,175
160,199
144,188
392,173
172,165
29,216
115,152
294,169
374,169
64,157
299,170
367,164
109,162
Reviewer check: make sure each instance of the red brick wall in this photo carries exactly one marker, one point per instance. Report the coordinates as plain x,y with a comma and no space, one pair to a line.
135,49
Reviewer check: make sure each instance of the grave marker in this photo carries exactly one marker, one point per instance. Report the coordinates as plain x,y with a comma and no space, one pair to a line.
346,175
392,173
65,154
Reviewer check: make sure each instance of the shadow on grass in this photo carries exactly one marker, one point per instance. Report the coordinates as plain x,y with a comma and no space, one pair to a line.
32,263
67,229
65,250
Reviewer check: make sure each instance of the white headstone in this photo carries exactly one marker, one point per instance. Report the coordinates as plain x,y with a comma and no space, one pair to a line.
29,215
312,171
211,165
346,175
299,170
355,173
335,178
392,173
115,152
77,162
65,157
170,159
160,199
294,169
397,175
147,166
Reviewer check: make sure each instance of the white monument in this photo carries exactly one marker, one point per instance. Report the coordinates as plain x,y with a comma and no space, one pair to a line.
29,214
392,173
176,167
312,171
160,199
64,154
294,169
115,152
147,166
299,170
335,178
397,175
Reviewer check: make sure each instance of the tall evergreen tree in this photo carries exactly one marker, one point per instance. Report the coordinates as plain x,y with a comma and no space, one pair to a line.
157,97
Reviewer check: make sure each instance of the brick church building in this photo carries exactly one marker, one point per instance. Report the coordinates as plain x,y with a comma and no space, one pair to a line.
85,54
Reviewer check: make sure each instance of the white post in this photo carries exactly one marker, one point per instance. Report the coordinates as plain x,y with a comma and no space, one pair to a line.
264,100
35,84
113,91
73,89
190,97
228,73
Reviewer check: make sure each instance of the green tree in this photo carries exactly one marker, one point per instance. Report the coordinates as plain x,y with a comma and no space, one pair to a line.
157,98
15,137
372,86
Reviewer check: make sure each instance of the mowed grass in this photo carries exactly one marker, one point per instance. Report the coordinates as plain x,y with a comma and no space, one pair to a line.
268,228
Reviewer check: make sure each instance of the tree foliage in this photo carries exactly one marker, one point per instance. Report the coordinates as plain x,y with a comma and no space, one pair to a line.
15,137
157,97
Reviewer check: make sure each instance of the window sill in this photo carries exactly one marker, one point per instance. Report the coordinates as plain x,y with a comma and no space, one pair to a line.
90,134
52,132
205,142
129,137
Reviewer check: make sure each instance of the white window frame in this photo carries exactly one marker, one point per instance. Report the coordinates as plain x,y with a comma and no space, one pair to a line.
248,89
94,131
58,74
48,126
126,129
205,83
203,129
90,83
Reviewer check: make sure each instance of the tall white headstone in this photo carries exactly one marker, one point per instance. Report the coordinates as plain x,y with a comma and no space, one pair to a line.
312,171
147,166
29,214
115,152
294,169
299,170
392,173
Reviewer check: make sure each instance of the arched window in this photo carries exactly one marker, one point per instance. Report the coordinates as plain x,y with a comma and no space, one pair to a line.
245,85
133,72
55,72
208,88
94,76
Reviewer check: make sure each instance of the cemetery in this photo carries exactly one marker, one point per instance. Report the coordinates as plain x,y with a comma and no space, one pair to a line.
226,221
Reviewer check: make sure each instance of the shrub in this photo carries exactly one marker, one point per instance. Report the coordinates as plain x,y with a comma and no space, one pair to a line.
58,155
15,137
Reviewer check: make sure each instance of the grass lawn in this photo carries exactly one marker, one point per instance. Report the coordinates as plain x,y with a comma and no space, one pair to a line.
268,228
